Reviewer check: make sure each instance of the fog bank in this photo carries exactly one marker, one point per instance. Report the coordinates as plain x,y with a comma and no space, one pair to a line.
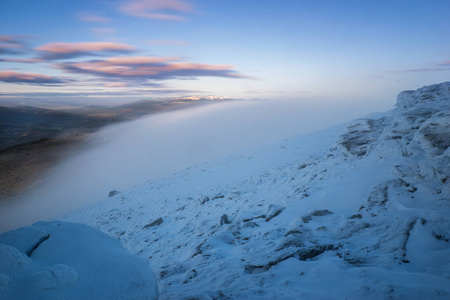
131,153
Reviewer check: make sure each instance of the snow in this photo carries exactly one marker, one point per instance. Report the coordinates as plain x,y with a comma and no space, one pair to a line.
358,211
59,260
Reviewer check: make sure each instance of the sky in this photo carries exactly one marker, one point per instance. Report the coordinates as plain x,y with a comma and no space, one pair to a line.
346,51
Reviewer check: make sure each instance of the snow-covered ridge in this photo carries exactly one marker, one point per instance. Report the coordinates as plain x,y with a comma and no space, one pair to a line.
360,212
420,124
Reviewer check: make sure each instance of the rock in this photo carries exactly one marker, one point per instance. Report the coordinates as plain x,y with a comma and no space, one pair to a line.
219,196
254,218
306,219
250,269
154,223
293,232
224,219
306,254
273,211
356,216
204,200
113,193
321,212
198,250
361,136
302,254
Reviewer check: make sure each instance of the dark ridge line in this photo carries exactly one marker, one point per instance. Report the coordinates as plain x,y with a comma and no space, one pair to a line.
24,144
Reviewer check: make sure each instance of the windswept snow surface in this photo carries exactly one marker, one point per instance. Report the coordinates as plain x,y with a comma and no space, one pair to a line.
356,212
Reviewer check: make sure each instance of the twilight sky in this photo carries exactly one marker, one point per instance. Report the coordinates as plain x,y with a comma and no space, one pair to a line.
316,49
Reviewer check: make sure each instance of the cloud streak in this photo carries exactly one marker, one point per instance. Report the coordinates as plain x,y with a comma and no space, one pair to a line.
93,19
10,44
10,48
145,68
170,10
135,92
29,78
10,39
101,31
21,60
439,67
55,51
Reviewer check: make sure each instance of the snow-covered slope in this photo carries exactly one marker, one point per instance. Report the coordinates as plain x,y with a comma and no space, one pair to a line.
359,212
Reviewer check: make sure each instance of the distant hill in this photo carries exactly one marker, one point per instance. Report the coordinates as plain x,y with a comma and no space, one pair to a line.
26,124
32,139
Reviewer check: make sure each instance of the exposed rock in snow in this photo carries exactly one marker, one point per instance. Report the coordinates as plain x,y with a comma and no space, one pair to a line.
273,211
113,193
362,135
58,260
224,220
360,212
154,223
430,98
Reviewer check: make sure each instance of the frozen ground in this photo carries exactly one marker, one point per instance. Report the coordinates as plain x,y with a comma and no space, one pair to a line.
359,211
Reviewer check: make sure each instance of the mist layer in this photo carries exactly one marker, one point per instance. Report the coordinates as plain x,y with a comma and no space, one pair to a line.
131,153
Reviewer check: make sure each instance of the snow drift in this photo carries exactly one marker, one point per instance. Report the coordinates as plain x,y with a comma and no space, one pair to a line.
57,260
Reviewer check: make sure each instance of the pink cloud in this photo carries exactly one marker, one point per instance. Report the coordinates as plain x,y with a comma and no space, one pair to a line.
82,47
9,48
115,84
9,39
68,50
10,44
144,68
30,78
157,9
139,60
194,66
